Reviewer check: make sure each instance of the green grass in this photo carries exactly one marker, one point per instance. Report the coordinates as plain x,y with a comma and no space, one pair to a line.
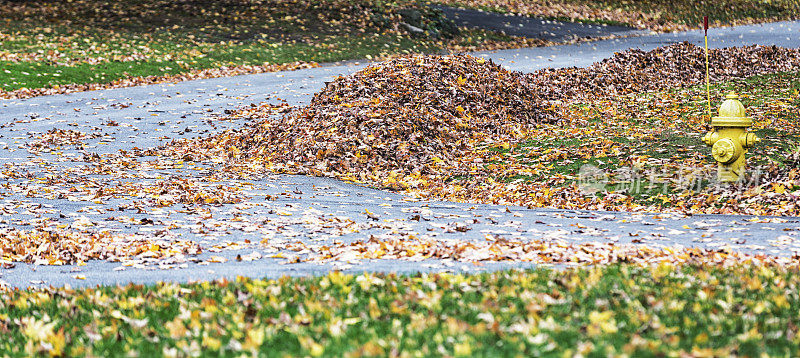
639,186
657,15
37,75
52,43
648,145
691,12
598,311
330,49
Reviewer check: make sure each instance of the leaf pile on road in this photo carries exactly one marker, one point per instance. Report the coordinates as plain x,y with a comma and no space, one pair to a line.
56,138
498,249
677,65
60,247
617,310
418,123
403,116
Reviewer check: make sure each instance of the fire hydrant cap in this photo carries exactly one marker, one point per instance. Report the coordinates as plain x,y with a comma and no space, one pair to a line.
731,113
725,151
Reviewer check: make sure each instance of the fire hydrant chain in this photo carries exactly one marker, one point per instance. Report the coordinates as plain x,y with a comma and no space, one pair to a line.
729,140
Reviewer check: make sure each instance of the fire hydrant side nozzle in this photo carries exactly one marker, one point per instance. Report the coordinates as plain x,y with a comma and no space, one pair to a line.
729,140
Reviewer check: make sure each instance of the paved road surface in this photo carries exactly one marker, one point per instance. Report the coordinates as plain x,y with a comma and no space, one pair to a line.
524,26
60,188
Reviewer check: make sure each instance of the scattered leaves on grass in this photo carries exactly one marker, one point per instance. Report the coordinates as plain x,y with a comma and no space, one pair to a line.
660,16
56,47
692,311
149,80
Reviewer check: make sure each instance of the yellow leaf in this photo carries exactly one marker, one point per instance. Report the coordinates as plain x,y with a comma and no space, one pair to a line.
57,343
176,328
217,259
212,343
254,339
701,338
374,311
462,349
316,350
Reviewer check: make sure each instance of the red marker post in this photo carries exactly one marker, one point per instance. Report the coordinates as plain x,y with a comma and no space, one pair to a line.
708,91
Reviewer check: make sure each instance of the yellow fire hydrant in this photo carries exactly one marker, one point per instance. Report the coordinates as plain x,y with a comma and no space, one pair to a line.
729,140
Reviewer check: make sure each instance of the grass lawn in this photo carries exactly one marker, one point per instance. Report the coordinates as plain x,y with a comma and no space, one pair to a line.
659,16
47,44
596,311
645,149
56,43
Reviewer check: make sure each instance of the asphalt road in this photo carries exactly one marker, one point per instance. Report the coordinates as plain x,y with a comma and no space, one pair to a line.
524,26
59,186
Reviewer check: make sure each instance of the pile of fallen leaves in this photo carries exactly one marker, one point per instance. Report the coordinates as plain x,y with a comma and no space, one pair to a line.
676,65
424,115
46,247
403,116
56,138
412,248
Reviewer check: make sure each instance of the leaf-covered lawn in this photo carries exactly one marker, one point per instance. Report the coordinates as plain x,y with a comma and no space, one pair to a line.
596,311
661,16
645,150
58,46
46,44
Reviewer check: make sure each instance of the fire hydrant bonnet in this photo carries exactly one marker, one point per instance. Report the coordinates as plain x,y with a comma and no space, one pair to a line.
731,113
